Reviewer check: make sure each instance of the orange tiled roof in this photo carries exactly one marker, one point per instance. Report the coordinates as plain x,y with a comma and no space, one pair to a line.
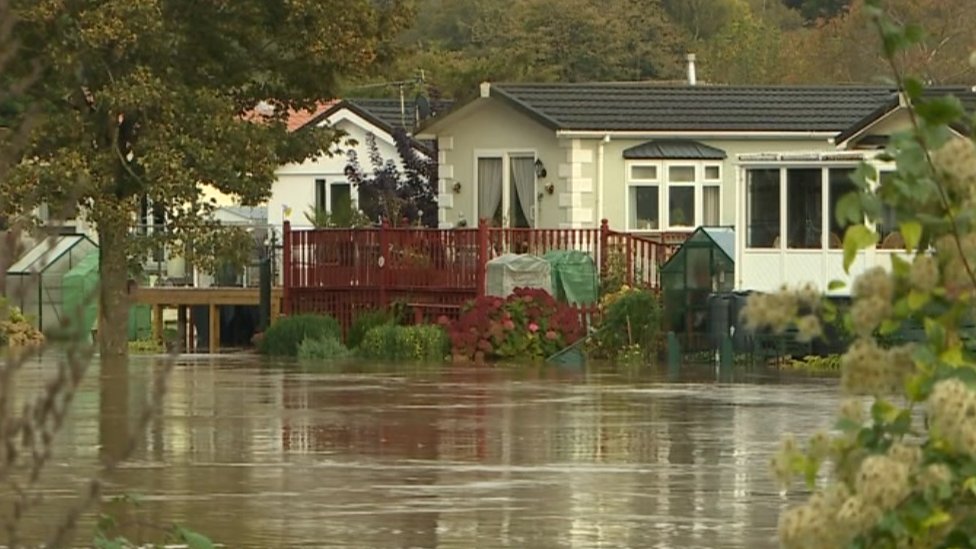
296,118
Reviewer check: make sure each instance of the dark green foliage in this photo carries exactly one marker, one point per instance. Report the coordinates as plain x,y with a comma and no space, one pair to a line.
285,336
405,343
364,322
631,321
326,348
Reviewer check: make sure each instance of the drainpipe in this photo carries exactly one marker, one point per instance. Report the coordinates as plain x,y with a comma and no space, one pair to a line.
599,178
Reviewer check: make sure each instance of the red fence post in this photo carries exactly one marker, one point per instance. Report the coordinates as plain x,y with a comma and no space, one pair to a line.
286,281
630,260
383,261
604,242
482,256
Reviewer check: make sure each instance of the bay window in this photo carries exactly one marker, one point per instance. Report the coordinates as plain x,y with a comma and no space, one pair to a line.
673,195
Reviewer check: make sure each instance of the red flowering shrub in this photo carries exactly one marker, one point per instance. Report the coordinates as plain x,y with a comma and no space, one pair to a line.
528,324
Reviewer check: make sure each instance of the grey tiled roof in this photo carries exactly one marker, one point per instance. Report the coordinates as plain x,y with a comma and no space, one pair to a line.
966,95
674,149
653,107
389,112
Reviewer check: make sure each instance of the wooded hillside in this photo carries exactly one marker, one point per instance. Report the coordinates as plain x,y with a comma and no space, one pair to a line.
458,43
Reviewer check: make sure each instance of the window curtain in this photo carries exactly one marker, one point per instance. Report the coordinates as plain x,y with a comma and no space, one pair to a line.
710,205
523,176
489,187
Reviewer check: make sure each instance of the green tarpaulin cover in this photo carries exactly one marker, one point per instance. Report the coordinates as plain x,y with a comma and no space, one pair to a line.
574,276
77,293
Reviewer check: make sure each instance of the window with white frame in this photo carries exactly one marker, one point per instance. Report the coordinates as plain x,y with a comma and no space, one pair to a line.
333,196
673,195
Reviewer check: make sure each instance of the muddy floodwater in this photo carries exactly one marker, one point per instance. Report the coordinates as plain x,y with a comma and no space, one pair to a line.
435,457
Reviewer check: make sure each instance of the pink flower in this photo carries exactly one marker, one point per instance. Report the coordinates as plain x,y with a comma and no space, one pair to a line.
533,327
551,335
508,325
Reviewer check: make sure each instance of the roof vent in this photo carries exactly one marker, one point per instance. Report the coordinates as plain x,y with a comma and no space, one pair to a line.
264,108
692,77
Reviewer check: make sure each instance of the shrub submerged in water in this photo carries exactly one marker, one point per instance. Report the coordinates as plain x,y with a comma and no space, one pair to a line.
529,324
405,343
364,322
325,348
630,324
287,333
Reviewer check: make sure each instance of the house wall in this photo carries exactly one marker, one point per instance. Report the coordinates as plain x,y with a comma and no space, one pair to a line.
495,129
295,184
573,166
616,188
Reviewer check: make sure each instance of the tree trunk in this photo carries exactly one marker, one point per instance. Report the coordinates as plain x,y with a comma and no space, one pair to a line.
113,310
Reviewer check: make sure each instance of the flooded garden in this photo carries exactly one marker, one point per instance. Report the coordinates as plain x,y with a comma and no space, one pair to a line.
257,453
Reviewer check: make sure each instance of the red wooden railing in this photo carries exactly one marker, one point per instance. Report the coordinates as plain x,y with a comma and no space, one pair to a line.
342,270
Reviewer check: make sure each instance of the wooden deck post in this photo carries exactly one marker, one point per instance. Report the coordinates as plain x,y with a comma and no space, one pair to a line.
214,328
157,323
482,256
286,270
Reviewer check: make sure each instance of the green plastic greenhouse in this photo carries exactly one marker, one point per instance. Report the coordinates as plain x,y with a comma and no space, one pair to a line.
35,281
703,265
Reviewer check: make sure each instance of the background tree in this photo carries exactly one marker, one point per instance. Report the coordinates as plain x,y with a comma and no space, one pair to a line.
153,98
747,50
842,50
387,193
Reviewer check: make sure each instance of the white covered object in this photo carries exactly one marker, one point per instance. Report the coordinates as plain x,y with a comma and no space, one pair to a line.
510,271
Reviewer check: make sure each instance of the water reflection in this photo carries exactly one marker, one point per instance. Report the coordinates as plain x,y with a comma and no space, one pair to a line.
451,457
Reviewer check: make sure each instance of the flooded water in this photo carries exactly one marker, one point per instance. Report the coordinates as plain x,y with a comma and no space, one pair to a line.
447,457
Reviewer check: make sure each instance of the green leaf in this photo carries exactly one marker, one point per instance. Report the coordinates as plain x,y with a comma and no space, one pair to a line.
864,175
937,518
899,266
953,356
849,209
917,299
847,425
836,285
914,88
935,333
882,411
889,326
902,423
944,110
856,238
194,540
911,231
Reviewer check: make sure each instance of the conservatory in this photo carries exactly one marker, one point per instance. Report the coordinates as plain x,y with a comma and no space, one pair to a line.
786,228
34,282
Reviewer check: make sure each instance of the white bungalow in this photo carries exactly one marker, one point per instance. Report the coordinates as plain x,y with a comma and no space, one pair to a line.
786,227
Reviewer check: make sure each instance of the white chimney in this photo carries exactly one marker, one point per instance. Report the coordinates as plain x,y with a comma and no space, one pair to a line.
485,89
692,78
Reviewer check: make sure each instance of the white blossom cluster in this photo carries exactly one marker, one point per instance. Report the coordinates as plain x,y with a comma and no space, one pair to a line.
868,483
836,515
782,309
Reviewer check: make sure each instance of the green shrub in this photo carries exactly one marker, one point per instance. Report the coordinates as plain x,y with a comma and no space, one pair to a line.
631,324
407,343
364,322
145,347
327,348
287,333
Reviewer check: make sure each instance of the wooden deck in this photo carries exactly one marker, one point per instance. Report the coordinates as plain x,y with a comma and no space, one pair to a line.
181,298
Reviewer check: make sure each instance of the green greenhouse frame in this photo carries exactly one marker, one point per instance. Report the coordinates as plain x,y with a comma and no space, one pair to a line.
35,281
702,266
